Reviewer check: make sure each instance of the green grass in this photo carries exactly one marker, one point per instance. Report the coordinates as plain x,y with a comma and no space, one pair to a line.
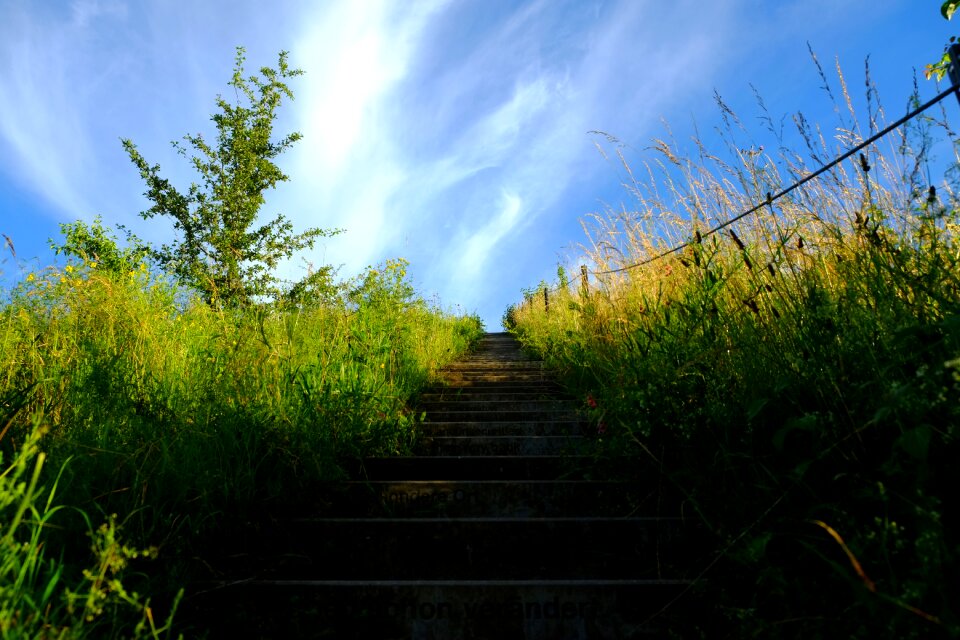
799,383
164,421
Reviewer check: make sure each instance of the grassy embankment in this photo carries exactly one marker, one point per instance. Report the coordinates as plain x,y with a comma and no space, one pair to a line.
796,377
135,423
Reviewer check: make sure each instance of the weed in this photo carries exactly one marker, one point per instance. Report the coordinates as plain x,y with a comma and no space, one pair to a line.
185,419
797,374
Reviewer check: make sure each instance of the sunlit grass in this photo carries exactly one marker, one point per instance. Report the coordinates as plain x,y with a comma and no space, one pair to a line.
794,374
182,419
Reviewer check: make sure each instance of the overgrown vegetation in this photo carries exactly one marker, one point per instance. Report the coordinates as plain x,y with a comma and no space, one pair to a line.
151,399
184,419
796,376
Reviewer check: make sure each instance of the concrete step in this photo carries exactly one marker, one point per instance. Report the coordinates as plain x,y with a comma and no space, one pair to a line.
544,387
501,428
494,364
555,467
495,394
490,498
474,379
500,548
501,383
494,406
547,467
441,609
499,445
502,415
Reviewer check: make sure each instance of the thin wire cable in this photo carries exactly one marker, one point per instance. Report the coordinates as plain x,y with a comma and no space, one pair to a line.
773,198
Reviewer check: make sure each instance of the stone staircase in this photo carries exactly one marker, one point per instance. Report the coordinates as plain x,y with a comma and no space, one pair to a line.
502,526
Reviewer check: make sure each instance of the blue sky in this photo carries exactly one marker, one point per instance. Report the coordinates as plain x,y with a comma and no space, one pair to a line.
453,133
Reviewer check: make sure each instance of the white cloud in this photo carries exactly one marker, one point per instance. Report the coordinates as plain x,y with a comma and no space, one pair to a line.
348,166
475,250
84,11
348,71
39,119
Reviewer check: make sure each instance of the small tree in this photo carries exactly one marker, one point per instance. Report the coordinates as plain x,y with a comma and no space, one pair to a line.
98,244
217,250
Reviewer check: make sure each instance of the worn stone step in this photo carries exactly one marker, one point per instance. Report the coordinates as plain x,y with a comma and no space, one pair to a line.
489,498
501,415
483,445
533,387
461,377
495,364
444,609
502,428
491,395
494,406
548,467
500,383
502,359
462,549
475,468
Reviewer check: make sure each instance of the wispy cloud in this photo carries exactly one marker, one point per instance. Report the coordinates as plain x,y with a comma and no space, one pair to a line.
477,247
39,122
355,53
84,12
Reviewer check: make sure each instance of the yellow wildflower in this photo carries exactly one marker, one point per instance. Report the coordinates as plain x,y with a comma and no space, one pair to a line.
68,268
31,278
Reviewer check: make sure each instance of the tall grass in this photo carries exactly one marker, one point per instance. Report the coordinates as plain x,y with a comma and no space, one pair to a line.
183,419
795,376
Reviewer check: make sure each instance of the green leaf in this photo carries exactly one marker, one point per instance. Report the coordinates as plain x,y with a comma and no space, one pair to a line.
916,442
756,407
804,423
756,547
948,8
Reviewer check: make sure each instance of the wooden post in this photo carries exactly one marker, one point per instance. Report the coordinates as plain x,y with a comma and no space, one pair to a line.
546,300
584,282
954,69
